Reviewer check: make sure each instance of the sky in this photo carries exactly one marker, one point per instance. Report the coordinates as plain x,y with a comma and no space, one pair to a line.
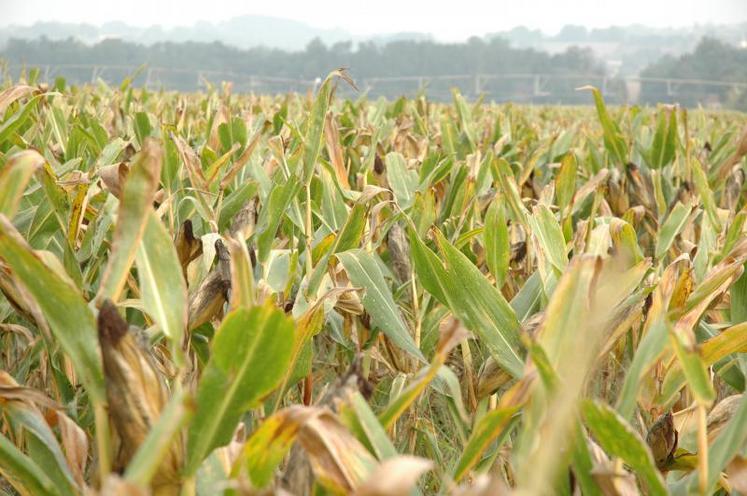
446,20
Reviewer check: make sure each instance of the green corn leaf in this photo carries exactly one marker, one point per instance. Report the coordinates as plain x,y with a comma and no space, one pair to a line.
250,354
273,213
583,465
234,202
314,139
18,119
504,176
565,181
40,440
402,180
497,243
164,292
706,195
348,238
362,421
738,293
364,272
728,444
132,219
69,317
664,144
409,394
549,235
618,439
695,371
465,117
23,474
672,226
268,445
728,341
459,285
491,426
14,177
143,128
613,138
652,344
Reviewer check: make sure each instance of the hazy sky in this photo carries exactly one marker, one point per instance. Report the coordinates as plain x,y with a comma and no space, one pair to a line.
447,20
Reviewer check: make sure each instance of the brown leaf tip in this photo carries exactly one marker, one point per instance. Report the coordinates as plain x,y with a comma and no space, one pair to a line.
662,438
221,251
188,230
112,327
379,167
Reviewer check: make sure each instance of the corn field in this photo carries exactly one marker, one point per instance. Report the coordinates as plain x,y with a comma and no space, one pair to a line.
220,293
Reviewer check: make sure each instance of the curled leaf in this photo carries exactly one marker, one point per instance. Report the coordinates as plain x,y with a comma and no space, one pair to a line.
207,302
662,439
339,461
188,248
399,250
114,176
491,378
395,477
721,414
135,390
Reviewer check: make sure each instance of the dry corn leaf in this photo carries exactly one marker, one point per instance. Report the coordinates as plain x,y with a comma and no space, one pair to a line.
395,476
10,95
114,176
339,461
736,471
662,439
136,392
334,149
206,303
188,248
491,378
75,444
399,250
721,414
483,485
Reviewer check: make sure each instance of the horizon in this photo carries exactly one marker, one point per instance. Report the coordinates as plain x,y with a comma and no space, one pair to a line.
549,34
435,22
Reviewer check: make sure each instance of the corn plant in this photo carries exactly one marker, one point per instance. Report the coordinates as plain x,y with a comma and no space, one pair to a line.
238,294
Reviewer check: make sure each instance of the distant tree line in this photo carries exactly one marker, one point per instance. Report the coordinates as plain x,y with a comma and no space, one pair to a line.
712,60
368,59
398,58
